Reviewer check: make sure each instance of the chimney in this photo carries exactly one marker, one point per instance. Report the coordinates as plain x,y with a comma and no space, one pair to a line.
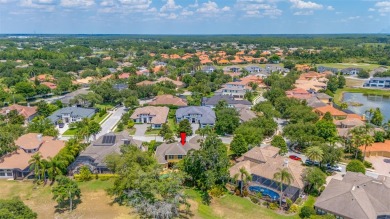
39,136
285,163
183,137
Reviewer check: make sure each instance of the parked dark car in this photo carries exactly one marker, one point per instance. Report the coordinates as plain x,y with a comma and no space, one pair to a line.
61,125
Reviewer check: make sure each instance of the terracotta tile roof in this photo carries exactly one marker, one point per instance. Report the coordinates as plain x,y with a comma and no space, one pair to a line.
43,77
144,83
25,111
168,99
19,159
174,56
378,147
49,85
105,78
177,83
252,78
29,141
265,162
86,80
124,76
223,61
333,111
355,116
159,114
298,93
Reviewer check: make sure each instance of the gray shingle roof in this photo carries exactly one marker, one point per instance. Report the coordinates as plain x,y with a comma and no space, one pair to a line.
74,111
207,114
356,196
175,148
66,99
212,101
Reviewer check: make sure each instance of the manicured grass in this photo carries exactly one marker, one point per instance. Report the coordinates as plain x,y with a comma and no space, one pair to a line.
231,206
153,132
310,201
365,66
106,106
98,118
338,96
172,125
71,132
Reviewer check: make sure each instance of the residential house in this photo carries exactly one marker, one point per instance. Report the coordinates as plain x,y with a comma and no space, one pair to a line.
71,114
28,112
313,86
302,68
263,162
253,69
378,149
235,89
208,69
214,100
50,85
351,71
169,154
378,82
154,115
94,155
234,69
269,68
245,113
42,78
16,165
323,69
344,126
336,114
69,96
168,99
120,86
204,116
175,82
298,93
325,98
356,196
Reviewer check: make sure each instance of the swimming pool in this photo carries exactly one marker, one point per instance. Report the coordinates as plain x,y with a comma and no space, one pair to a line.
264,191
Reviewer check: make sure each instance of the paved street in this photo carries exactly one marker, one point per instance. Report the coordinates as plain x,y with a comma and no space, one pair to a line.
110,123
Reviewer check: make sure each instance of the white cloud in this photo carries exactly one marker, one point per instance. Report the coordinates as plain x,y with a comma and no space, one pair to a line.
170,6
107,3
77,3
305,5
195,5
136,4
353,17
226,8
37,4
259,8
305,13
383,7
209,7
186,12
330,8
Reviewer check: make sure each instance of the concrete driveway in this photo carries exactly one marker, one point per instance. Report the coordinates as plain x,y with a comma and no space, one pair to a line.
381,164
140,129
194,127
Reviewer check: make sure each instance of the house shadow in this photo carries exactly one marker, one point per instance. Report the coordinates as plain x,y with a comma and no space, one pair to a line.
386,160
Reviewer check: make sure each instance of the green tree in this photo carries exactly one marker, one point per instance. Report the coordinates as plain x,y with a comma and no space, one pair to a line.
244,177
307,212
283,176
38,165
131,102
376,117
238,145
227,120
15,209
66,191
356,166
326,129
45,109
344,106
314,179
314,153
112,161
266,109
367,141
55,167
331,154
207,130
327,117
184,126
278,141
253,135
43,126
207,167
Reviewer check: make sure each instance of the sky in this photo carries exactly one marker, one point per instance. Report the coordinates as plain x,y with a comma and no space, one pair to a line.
194,16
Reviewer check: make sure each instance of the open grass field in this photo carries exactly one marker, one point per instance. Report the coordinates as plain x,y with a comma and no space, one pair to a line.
365,66
231,206
95,203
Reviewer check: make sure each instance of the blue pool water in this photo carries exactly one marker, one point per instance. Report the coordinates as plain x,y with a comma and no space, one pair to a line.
264,191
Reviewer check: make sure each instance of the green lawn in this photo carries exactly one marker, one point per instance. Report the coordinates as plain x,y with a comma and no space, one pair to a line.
106,106
365,66
338,96
172,125
153,132
98,118
231,206
70,132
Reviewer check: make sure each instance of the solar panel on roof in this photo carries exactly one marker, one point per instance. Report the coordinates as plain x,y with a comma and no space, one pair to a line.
110,139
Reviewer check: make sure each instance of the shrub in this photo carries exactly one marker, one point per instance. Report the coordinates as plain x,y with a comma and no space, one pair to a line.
254,200
367,164
130,124
293,209
273,206
298,201
265,204
356,166
217,191
306,212
120,127
105,177
259,195
289,202
85,174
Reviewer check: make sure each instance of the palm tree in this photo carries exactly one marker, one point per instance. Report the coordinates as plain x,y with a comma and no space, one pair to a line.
367,141
283,176
55,167
315,153
245,176
38,165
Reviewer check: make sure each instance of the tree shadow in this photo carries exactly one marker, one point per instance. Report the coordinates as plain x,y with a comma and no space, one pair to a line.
64,206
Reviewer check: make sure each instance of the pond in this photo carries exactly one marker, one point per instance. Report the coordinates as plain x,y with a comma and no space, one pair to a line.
367,102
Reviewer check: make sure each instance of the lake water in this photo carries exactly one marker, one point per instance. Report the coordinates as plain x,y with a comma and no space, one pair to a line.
368,101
